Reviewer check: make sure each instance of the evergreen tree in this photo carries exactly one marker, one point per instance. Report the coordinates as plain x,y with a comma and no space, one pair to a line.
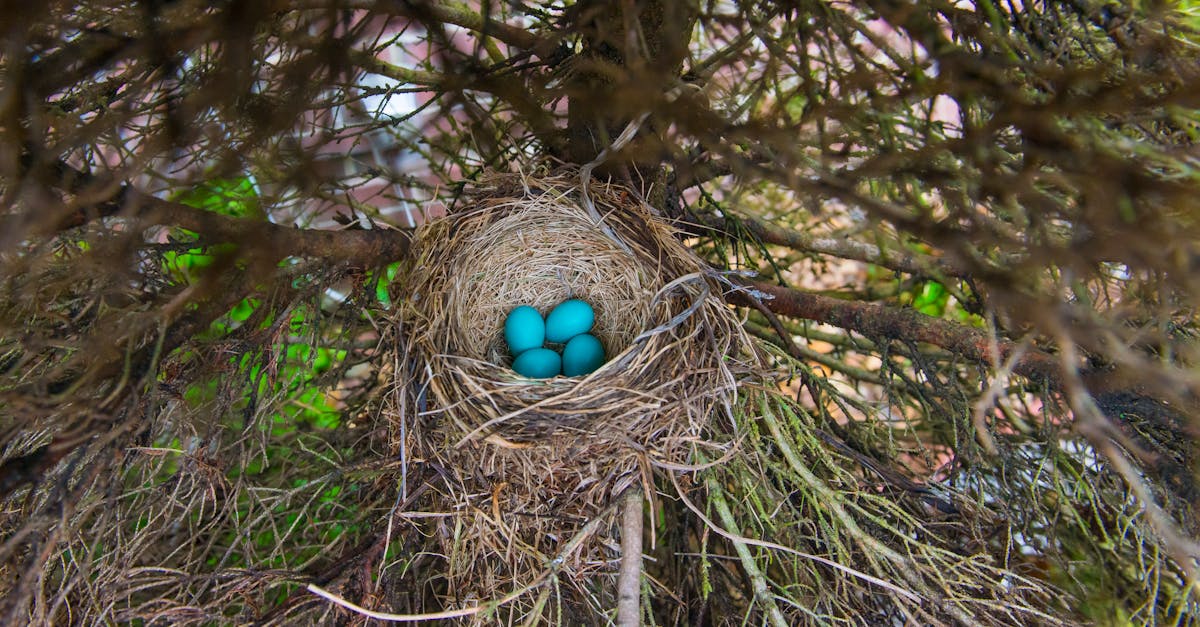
961,238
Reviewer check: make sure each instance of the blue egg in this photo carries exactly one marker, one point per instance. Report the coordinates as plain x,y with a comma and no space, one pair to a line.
568,319
524,329
538,363
582,355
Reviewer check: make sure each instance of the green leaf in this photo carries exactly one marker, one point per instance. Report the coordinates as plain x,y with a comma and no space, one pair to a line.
236,197
381,284
189,266
931,300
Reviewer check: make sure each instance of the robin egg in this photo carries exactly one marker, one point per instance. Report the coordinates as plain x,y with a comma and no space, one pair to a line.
582,355
538,363
524,329
568,319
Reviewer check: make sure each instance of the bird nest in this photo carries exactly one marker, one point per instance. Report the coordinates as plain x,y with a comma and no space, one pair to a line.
666,331
526,464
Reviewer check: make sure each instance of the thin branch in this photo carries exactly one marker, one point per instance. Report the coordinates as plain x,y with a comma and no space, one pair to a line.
771,233
410,618
734,537
758,581
373,64
456,13
1092,424
803,353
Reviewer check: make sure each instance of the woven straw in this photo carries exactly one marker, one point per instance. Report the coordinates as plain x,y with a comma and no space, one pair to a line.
525,241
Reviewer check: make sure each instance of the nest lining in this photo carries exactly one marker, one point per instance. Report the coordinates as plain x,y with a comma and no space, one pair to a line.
541,262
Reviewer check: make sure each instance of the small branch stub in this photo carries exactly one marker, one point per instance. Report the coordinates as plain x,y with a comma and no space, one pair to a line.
629,580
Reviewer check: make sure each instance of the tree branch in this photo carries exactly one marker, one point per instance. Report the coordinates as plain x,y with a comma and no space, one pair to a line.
456,13
373,64
875,320
361,247
629,581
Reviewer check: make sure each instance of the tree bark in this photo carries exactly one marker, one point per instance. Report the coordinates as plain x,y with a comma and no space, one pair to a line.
632,54
629,581
875,320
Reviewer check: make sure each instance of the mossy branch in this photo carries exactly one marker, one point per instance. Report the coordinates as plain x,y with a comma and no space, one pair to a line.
875,320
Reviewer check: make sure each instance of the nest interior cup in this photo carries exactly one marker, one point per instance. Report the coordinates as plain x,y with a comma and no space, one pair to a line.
521,240
545,262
